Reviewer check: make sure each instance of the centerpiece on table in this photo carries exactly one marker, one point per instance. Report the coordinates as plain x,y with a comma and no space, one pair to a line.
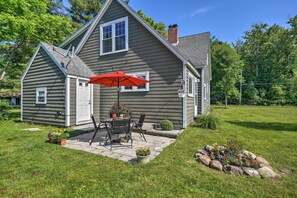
58,137
143,154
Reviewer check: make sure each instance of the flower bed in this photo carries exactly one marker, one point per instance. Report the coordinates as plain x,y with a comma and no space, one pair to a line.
231,158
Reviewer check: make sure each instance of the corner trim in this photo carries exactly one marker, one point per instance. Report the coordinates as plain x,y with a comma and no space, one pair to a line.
185,98
67,102
202,90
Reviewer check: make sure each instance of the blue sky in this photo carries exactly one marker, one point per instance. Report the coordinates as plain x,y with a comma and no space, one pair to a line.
226,19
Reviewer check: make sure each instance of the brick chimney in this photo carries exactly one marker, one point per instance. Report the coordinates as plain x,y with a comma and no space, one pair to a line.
173,34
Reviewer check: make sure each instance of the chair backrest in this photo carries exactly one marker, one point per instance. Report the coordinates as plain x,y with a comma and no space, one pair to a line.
94,122
120,126
141,120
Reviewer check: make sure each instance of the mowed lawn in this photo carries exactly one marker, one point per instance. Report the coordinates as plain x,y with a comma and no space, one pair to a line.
31,167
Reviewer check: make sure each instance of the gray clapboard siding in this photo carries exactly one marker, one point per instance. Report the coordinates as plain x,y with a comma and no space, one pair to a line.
146,53
54,80
75,41
96,102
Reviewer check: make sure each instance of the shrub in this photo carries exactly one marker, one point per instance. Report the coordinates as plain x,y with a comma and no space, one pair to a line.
209,121
5,107
166,125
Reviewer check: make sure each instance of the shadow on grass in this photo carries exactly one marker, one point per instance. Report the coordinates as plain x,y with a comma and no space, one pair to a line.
267,125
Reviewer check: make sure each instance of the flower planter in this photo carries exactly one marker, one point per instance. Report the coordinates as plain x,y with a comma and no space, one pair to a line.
62,142
143,159
181,94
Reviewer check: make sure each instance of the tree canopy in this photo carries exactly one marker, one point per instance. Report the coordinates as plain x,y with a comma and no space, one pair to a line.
24,23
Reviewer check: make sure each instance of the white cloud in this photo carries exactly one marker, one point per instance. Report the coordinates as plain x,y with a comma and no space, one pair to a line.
198,11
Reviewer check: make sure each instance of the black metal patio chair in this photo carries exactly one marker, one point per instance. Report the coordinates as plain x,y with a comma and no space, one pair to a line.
118,127
97,128
138,126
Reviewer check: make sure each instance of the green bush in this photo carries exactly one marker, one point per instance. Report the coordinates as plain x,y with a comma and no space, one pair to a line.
5,107
209,121
166,125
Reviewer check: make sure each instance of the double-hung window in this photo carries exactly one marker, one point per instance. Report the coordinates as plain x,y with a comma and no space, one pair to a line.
190,85
41,95
114,36
143,87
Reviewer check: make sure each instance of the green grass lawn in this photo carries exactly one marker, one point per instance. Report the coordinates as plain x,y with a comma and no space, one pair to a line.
31,167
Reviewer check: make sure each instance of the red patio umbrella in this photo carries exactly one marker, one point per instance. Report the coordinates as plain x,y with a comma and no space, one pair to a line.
117,79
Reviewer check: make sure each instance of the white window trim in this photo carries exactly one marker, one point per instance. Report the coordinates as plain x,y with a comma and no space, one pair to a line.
193,80
45,95
112,23
134,88
205,91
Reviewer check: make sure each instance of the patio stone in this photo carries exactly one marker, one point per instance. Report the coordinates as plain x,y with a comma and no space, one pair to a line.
121,151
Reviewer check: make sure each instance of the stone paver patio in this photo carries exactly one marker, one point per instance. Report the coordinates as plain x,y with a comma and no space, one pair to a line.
122,150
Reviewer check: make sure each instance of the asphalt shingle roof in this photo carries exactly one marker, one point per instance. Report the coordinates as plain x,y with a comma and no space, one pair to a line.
72,66
195,48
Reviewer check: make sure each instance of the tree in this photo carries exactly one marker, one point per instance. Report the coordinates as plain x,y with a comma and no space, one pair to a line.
159,27
83,11
226,66
24,23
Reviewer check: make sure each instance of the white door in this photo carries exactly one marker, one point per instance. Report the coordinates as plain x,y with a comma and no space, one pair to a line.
196,98
83,109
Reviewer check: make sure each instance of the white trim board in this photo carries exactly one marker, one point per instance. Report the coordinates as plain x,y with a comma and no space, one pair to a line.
34,56
185,98
67,102
76,34
136,16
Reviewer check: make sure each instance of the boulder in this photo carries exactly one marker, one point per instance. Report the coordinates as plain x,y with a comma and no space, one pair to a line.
251,172
216,164
204,152
262,160
261,165
204,159
266,172
235,170
208,148
248,153
286,171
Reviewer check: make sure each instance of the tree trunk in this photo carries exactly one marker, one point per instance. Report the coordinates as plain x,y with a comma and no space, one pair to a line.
226,100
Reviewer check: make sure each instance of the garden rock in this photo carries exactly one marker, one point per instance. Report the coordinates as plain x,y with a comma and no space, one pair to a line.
264,165
203,152
216,164
235,170
251,172
286,171
262,160
204,159
248,153
266,172
208,148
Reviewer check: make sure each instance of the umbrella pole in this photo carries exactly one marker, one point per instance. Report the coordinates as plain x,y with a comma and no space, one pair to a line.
118,97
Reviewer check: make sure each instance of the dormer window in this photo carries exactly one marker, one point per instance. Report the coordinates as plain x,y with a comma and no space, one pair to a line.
114,36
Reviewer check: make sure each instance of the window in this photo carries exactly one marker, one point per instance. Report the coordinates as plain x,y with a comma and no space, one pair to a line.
143,87
41,95
114,36
190,85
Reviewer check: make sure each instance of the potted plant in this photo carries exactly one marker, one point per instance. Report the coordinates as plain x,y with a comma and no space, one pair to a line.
123,109
143,154
58,137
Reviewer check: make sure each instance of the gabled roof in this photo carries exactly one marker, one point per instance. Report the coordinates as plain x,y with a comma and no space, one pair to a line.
89,28
72,66
195,48
69,66
80,31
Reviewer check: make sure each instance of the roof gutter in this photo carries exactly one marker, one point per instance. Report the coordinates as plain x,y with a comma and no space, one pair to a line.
192,68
